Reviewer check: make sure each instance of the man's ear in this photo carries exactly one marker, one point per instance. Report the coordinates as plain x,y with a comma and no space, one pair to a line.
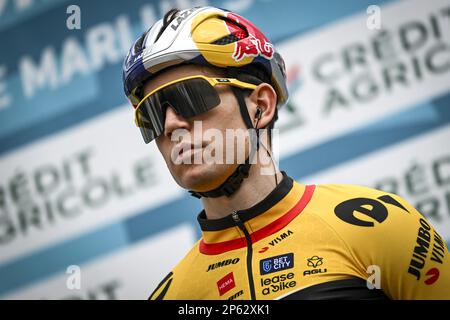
263,97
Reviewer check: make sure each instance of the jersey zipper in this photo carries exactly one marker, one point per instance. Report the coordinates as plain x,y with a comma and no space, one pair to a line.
241,226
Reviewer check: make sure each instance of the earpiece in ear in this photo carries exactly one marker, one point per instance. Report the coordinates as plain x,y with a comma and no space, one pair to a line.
258,113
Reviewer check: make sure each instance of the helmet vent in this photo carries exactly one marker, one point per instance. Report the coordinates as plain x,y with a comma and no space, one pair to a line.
168,18
226,40
237,33
138,43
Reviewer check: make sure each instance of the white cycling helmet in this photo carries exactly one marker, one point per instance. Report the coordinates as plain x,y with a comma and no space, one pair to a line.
205,36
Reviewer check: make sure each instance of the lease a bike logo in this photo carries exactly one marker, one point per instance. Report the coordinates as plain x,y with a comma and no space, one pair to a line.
277,263
314,262
278,283
372,208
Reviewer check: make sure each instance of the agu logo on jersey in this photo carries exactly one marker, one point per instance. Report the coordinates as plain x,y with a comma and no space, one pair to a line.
314,262
277,263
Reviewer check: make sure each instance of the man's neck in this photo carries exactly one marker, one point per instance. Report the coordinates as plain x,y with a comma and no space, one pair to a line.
253,189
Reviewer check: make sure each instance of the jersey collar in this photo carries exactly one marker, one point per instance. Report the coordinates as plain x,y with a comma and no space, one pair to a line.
274,212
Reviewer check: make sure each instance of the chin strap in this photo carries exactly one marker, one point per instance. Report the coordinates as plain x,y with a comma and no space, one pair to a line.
230,186
233,182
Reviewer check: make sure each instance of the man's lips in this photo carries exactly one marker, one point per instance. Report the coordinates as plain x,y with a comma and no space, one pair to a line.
185,150
186,146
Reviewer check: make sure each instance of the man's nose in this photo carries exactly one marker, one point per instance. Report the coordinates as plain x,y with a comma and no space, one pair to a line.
173,122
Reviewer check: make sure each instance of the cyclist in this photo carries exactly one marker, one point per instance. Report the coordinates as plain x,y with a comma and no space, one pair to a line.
264,236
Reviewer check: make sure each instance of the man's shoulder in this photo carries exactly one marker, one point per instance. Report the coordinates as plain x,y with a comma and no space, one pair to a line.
344,190
188,259
345,195
354,205
186,264
364,219
176,276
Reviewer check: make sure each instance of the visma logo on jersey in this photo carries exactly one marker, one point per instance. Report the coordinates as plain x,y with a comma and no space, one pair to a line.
277,263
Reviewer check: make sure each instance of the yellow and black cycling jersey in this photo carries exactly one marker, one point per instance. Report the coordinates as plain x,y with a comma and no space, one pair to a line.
329,241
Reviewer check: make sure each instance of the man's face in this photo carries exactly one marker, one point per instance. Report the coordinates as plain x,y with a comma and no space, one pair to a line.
207,174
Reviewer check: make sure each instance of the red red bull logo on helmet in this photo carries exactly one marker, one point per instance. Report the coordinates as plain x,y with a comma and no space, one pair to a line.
253,45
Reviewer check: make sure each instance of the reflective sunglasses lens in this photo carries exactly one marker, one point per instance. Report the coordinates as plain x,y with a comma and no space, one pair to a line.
189,98
150,119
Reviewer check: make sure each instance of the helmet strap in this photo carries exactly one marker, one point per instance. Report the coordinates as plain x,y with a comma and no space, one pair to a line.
234,181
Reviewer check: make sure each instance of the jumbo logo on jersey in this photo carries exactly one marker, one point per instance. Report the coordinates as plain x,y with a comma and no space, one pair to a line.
377,211
427,240
222,264
277,263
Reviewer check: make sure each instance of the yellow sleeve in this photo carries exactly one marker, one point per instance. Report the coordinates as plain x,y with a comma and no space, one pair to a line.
392,244
161,290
